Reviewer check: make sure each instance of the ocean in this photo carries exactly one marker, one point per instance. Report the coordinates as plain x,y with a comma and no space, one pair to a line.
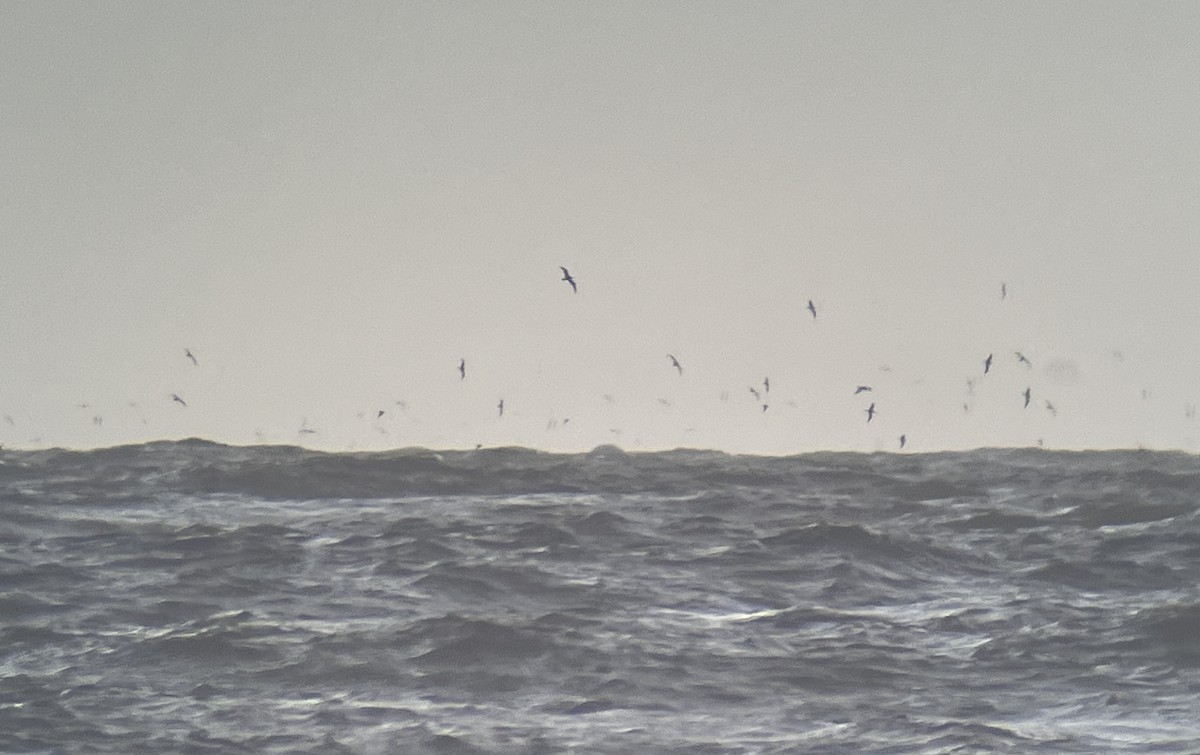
192,597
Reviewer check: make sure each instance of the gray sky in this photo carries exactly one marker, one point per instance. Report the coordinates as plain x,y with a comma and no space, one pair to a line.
330,204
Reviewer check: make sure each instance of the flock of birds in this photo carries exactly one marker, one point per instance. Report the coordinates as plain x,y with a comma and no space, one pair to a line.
761,397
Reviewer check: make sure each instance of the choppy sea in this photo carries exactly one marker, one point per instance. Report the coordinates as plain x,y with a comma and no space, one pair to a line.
192,597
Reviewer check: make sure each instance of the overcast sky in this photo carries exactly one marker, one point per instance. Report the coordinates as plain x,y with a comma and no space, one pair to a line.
331,204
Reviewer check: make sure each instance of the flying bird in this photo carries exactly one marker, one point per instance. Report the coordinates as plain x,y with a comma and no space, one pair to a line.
500,406
754,391
1026,394
764,407
1024,360
766,385
462,369
676,363
176,399
188,353
567,277
1003,291
862,389
1050,408
379,414
987,364
871,412
903,440
812,308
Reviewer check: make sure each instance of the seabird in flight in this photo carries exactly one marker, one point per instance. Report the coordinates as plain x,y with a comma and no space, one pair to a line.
754,391
175,398
188,354
871,412
764,407
862,389
987,364
1026,399
812,308
567,277
903,440
766,385
1024,360
676,363
1003,291
500,406
462,369
379,414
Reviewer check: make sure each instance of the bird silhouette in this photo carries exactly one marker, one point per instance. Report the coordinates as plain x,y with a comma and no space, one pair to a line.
812,308
871,412
176,399
567,277
987,364
462,369
676,363
1026,394
861,389
188,353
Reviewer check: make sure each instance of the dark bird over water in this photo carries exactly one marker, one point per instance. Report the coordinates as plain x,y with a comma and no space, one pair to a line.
871,412
862,389
188,353
1026,394
567,277
176,399
1024,360
987,364
676,363
812,308
462,369
903,440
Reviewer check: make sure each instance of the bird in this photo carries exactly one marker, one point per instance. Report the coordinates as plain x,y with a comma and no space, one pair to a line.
567,277
1024,360
766,385
462,369
757,396
903,440
871,412
676,363
379,414
862,389
500,406
176,399
1026,394
1050,408
812,308
1003,291
765,407
987,364
188,353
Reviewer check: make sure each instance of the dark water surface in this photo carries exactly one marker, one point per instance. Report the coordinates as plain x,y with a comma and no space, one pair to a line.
193,597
